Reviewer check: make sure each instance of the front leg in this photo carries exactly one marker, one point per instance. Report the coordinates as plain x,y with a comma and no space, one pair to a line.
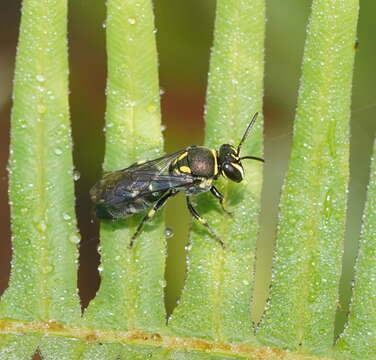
220,197
203,221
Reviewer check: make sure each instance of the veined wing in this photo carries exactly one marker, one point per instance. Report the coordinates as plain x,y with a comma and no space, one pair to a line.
139,180
160,165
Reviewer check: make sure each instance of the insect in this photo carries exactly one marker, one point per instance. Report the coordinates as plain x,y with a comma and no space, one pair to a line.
149,184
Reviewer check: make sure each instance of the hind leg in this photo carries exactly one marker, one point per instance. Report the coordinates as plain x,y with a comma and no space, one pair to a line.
203,221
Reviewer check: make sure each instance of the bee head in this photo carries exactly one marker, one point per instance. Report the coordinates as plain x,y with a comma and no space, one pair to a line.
229,160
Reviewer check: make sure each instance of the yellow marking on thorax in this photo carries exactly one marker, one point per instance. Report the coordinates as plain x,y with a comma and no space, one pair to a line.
214,152
182,156
185,169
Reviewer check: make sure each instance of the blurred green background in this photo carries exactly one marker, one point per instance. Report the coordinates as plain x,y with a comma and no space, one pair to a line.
184,38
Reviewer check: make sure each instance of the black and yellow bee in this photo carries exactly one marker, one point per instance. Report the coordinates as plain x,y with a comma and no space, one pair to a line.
149,184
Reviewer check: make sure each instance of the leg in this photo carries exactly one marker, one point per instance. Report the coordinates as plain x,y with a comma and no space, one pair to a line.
203,221
220,197
149,215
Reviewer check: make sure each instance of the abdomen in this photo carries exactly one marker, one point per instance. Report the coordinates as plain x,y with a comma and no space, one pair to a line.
125,208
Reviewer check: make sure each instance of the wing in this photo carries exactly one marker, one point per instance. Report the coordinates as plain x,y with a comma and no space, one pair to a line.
139,180
160,165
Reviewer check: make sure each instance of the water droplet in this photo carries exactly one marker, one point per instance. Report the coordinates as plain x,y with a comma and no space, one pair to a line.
132,21
188,247
328,203
42,226
66,216
76,175
169,233
163,128
100,268
40,78
58,151
74,238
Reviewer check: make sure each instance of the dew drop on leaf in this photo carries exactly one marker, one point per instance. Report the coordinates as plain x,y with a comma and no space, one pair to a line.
76,175
74,238
169,233
40,78
66,216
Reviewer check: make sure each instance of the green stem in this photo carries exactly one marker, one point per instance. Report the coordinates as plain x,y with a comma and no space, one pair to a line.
131,291
217,294
307,263
44,272
359,338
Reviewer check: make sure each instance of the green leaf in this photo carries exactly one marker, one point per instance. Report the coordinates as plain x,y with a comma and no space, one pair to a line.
53,348
44,272
216,299
307,263
126,320
101,351
359,338
131,291
18,347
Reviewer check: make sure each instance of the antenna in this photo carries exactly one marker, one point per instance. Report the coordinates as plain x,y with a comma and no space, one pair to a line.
253,158
249,127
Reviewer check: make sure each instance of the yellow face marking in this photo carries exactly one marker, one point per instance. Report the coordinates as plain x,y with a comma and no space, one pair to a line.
235,157
185,169
214,152
237,166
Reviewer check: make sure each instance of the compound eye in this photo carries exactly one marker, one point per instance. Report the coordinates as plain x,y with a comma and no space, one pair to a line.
233,171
